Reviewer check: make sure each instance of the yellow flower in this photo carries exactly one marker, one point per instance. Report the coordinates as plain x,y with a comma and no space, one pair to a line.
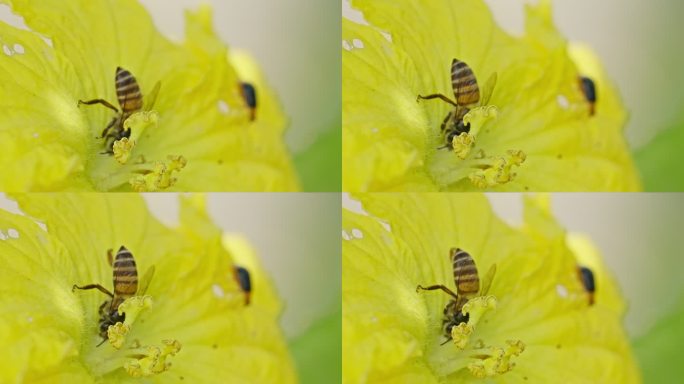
535,324
193,133
191,324
537,132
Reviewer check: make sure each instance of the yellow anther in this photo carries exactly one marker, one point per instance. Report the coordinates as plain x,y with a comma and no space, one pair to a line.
122,149
154,359
478,179
515,347
517,157
160,177
131,307
500,171
461,335
497,361
171,347
475,308
462,144
177,162
116,334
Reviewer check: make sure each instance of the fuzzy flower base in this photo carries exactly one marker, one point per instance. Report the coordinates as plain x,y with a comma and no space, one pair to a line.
191,325
538,323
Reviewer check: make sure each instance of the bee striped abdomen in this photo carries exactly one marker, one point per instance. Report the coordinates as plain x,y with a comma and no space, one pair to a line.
465,273
464,83
128,92
125,276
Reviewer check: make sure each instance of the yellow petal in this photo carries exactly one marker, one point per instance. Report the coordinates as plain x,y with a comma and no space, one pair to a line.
543,315
55,143
51,332
393,143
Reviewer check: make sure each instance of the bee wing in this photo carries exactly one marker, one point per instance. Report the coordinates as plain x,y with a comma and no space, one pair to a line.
488,89
145,282
487,281
151,97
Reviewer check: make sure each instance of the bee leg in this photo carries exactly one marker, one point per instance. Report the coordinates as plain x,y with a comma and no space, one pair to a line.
99,101
109,143
110,256
446,120
102,342
433,287
101,310
109,126
93,286
437,96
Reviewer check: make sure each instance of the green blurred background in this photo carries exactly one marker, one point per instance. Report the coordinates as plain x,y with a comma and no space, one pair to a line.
639,43
296,42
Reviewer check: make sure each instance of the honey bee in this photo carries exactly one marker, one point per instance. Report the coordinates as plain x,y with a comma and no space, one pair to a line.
125,282
467,94
467,282
589,90
248,93
130,100
586,276
244,281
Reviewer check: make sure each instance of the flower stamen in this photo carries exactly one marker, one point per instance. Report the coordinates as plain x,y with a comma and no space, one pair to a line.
474,355
131,307
462,144
153,360
482,171
146,360
475,308
497,361
160,177
136,124
499,171
122,150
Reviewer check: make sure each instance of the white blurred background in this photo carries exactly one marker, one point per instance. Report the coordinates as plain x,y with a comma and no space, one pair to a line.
638,42
638,234
295,235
